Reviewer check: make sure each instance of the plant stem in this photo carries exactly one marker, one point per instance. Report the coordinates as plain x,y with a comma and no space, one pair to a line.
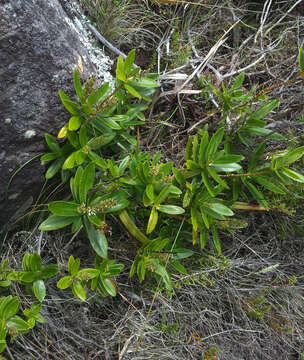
132,228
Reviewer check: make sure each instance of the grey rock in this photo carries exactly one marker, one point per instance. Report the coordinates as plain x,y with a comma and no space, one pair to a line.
39,48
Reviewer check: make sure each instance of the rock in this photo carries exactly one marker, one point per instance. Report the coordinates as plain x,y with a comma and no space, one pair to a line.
39,48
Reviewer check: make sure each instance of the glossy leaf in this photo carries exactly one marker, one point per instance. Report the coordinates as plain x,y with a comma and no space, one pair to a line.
79,291
52,143
74,123
129,62
214,143
268,184
179,267
71,106
18,324
132,91
53,169
64,208
265,109
152,220
86,182
97,239
39,289
73,265
171,209
295,176
233,167
120,69
220,209
207,183
109,286
55,222
10,308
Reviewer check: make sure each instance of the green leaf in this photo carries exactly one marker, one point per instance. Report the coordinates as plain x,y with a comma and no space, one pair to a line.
228,159
203,147
69,162
35,262
83,136
141,270
74,123
49,271
18,324
265,109
109,286
11,308
179,267
120,69
301,59
207,183
144,82
87,274
49,157
52,143
64,208
129,62
26,262
39,289
162,195
226,167
109,123
97,239
86,182
259,197
71,106
98,142
203,238
216,239
53,169
78,86
79,291
152,220
73,265
268,184
195,148
220,209
292,175
163,273
150,191
238,82
99,94
194,217
5,283
182,253
99,161
171,209
55,222
256,156
132,91
216,177
214,143
290,157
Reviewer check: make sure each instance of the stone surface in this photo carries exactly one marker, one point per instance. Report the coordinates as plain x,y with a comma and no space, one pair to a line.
39,47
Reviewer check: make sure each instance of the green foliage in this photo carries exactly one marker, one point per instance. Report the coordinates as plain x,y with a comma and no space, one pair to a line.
224,171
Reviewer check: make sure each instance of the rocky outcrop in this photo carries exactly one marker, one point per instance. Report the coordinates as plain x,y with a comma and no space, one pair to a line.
39,47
